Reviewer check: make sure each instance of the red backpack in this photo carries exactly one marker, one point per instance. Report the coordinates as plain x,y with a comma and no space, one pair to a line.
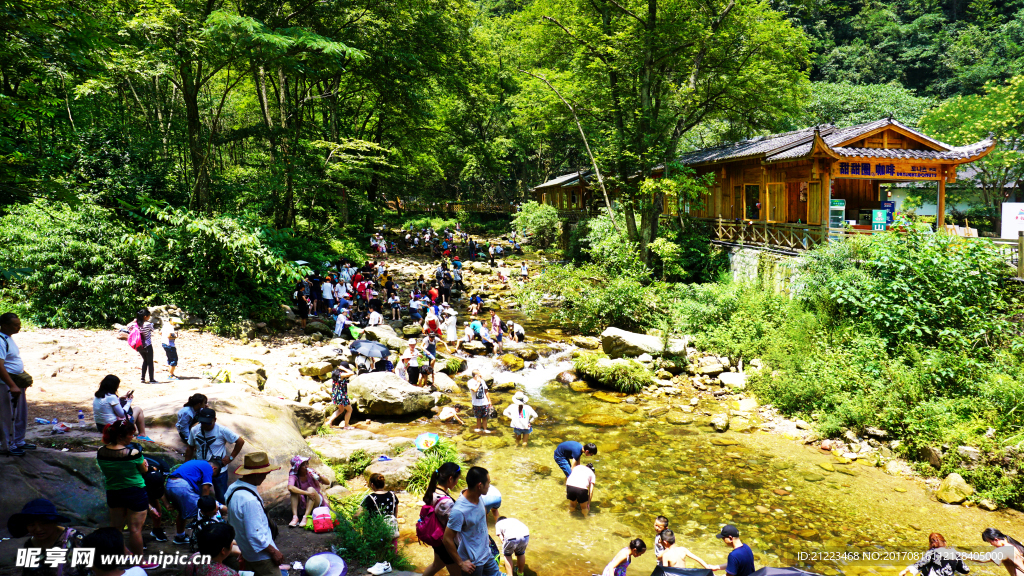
429,529
135,337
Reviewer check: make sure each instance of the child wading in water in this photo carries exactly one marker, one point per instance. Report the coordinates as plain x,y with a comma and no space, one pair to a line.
522,417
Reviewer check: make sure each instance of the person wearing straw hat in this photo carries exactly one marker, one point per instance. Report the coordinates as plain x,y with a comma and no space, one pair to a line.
247,514
522,417
46,529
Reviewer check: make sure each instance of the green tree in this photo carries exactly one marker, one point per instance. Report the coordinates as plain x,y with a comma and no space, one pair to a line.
967,119
845,104
649,72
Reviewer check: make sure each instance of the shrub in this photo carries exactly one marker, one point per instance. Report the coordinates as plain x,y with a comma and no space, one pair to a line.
627,376
357,462
539,222
363,538
444,451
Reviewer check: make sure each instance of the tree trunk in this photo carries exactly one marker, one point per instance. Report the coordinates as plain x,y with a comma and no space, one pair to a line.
200,173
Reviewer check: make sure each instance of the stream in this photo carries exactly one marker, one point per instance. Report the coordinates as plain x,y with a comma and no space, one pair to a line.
788,506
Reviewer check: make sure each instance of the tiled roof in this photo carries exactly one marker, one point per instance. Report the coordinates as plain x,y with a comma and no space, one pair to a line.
798,144
754,147
958,153
563,179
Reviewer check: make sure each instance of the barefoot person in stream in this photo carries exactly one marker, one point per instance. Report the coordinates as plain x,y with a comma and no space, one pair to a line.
622,560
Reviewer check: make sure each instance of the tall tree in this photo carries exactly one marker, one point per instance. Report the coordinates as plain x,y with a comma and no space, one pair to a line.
646,72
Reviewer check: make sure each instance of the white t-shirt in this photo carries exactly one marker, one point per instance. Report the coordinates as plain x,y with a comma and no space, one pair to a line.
375,319
447,413
474,388
103,409
511,529
211,445
581,477
520,422
11,356
328,289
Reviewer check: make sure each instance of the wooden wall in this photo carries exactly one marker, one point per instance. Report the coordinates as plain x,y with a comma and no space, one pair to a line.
859,194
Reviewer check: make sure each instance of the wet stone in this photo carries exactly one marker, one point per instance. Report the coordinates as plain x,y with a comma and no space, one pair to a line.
603,420
606,397
811,477
628,408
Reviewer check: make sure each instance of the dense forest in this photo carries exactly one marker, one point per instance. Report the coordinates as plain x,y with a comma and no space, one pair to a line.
168,136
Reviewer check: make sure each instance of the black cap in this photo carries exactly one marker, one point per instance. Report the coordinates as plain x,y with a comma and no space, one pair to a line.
728,530
206,416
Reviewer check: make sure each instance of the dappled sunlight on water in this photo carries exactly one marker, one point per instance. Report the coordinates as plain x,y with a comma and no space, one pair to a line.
774,489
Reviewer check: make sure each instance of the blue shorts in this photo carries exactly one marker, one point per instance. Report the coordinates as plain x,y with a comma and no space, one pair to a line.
491,502
521,431
182,497
498,336
172,354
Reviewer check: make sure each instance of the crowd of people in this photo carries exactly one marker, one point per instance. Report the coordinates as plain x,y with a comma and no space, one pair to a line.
230,523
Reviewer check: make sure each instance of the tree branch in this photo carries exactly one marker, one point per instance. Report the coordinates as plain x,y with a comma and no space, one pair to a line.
593,162
593,51
628,12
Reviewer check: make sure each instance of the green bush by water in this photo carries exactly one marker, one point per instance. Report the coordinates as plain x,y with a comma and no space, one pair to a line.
362,538
629,376
357,462
444,451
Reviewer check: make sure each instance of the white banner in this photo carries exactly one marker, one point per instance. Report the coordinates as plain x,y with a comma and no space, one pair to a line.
1013,219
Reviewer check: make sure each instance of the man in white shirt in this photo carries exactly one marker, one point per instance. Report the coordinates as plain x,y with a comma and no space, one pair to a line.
208,441
514,537
376,319
248,516
13,382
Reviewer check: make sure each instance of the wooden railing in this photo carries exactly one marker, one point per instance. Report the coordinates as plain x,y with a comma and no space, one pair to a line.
777,235
1010,249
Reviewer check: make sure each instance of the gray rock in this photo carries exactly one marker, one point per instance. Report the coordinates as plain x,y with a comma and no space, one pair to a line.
475,348
954,490
396,472
733,380
876,433
318,328
618,343
712,369
412,330
385,394
587,342
720,422
932,456
969,453
645,358
379,333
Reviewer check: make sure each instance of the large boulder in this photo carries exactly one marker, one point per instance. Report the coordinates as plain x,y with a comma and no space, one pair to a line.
412,330
397,471
338,447
602,420
587,342
379,333
267,424
475,348
71,480
319,328
733,380
618,343
385,394
954,490
512,362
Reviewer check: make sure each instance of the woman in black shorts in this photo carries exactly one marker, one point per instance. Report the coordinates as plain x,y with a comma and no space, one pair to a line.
123,466
442,480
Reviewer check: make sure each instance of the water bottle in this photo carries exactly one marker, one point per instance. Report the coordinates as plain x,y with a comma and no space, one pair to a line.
81,419
53,422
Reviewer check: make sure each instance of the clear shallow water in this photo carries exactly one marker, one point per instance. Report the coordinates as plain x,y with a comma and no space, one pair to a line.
646,467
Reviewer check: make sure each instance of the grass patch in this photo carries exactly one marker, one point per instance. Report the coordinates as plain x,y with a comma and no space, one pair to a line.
444,451
627,376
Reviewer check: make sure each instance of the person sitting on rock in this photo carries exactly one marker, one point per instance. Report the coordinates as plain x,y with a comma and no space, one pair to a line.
304,489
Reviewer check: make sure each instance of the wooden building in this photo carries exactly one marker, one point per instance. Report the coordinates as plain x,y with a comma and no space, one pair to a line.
777,191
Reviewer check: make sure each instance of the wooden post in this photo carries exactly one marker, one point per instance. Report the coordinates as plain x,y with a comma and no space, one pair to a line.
1020,254
940,216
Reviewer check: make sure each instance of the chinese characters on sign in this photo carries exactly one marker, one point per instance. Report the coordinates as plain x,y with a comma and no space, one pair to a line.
30,557
883,170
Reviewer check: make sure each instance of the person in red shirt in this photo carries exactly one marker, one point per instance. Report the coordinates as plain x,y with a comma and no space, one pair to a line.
433,294
356,279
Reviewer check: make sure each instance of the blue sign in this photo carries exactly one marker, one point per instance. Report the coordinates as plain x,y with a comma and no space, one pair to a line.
890,207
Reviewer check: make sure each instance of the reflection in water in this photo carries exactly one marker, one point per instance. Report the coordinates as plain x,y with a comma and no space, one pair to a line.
772,488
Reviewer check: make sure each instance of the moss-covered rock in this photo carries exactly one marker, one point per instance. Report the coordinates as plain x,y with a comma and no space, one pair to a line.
512,362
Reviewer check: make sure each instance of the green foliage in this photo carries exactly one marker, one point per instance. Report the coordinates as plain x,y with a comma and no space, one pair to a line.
538,222
912,287
627,376
444,451
845,104
365,539
357,462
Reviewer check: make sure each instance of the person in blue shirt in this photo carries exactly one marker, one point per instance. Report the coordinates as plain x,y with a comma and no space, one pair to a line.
569,453
475,304
184,487
741,559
